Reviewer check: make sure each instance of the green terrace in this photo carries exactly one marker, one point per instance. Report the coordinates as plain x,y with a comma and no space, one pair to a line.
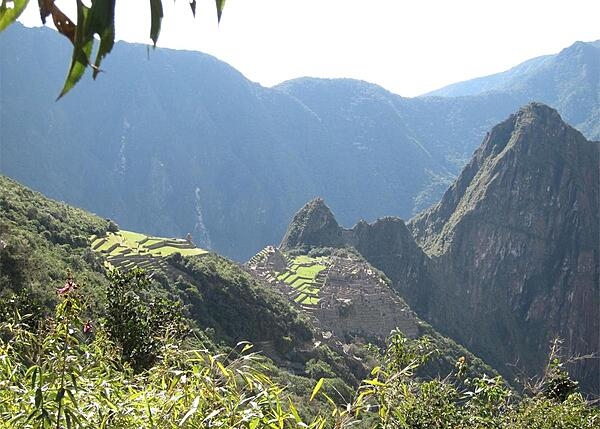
303,276
127,250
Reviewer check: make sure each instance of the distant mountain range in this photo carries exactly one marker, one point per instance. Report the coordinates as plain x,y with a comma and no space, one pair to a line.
170,142
509,259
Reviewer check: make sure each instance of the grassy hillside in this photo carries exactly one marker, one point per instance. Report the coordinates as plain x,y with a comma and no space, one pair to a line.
40,240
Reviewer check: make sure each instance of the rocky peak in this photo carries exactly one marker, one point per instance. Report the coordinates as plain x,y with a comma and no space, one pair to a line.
516,245
313,225
520,156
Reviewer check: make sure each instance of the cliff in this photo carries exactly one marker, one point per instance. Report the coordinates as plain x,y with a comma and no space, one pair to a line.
515,246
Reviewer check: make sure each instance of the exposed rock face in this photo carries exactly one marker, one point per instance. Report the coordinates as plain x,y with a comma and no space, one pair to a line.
389,246
515,245
314,225
509,259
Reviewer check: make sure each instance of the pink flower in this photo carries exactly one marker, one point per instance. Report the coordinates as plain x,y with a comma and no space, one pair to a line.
68,287
87,327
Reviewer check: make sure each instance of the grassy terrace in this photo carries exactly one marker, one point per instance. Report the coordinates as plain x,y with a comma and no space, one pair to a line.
302,276
127,249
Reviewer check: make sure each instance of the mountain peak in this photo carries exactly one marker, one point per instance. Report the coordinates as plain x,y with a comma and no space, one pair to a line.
313,225
533,145
538,114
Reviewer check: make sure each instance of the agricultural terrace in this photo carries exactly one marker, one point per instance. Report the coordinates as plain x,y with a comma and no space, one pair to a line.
127,249
303,276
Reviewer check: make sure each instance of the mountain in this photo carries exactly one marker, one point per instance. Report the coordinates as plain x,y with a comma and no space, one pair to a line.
515,245
350,302
567,81
508,259
313,225
175,142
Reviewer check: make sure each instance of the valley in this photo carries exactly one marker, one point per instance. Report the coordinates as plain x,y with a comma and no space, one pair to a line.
210,278
235,160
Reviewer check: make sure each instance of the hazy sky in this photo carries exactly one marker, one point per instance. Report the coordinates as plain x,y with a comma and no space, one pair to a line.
408,47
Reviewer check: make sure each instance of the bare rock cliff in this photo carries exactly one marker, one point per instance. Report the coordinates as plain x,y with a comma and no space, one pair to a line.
515,246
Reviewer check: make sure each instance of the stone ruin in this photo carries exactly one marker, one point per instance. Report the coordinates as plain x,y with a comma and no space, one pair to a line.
355,300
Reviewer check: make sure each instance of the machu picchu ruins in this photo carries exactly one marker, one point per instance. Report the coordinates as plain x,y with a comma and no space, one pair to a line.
341,292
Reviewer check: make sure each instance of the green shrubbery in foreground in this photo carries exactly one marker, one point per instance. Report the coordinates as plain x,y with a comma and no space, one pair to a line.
69,372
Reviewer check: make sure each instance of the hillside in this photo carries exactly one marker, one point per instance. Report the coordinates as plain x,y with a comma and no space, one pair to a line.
70,369
575,69
222,158
348,300
41,240
508,260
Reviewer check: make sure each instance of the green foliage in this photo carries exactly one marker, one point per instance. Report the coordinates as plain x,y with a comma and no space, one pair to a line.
139,322
65,375
236,305
9,14
39,240
400,400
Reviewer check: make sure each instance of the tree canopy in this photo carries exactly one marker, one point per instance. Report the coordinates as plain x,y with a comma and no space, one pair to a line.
96,19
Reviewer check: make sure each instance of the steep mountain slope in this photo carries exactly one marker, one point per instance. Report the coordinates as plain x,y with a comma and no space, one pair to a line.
515,241
349,301
176,142
509,259
568,81
40,240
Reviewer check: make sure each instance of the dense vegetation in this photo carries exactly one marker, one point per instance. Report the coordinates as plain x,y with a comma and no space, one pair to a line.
68,373
39,240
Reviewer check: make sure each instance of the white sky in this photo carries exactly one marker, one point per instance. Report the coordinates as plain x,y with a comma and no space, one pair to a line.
407,46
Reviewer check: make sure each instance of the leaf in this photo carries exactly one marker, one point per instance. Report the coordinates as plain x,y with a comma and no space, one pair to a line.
97,19
60,394
294,412
156,12
8,16
82,50
224,370
62,22
102,17
220,5
374,382
317,388
45,9
38,397
193,6
34,371
191,411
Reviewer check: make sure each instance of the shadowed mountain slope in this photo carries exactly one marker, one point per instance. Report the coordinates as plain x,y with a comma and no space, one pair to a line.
176,142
